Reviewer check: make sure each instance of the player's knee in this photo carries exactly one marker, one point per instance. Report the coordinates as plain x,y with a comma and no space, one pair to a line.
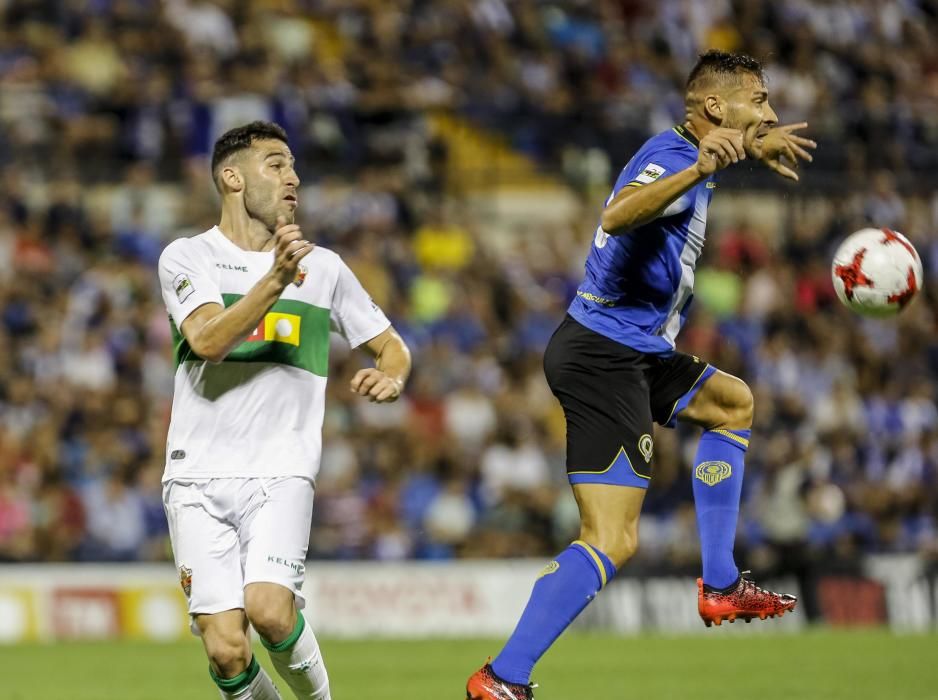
229,655
270,609
272,624
741,406
735,406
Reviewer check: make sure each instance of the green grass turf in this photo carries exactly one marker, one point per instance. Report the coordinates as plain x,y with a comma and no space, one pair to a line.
816,665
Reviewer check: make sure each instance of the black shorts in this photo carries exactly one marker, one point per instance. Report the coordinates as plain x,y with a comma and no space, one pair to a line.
610,396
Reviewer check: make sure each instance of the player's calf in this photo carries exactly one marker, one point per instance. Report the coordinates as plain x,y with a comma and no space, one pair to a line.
609,519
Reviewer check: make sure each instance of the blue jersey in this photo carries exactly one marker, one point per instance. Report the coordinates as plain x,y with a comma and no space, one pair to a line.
639,286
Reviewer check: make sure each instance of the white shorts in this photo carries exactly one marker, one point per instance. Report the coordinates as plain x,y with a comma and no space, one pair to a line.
227,533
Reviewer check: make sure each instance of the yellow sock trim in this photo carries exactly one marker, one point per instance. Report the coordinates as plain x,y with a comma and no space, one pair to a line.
599,562
732,436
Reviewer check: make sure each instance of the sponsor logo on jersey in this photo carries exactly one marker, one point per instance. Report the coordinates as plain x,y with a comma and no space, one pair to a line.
177,454
646,446
228,266
301,273
589,296
183,287
549,569
185,580
651,173
279,328
712,473
711,185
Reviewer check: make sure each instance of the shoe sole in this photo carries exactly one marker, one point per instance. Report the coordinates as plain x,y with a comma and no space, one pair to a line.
470,696
748,617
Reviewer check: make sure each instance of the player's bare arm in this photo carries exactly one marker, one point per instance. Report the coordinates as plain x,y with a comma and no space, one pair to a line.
213,331
635,206
782,144
384,382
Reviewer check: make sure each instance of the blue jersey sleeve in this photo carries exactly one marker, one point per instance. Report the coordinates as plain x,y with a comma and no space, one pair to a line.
655,162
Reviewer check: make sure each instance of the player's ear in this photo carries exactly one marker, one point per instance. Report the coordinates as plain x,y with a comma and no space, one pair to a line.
232,179
715,108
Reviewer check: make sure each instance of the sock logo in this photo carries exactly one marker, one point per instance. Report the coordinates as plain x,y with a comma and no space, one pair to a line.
646,446
712,473
549,569
301,668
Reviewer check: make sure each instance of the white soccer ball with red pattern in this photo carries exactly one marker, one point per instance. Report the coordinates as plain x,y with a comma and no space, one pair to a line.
876,272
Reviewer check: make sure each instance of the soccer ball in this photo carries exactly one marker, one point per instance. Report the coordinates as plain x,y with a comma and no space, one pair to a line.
876,272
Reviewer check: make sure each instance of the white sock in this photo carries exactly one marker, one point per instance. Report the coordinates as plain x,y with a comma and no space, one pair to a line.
260,687
299,662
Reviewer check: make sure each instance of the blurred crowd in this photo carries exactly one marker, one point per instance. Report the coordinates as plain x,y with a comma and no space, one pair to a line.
90,86
108,111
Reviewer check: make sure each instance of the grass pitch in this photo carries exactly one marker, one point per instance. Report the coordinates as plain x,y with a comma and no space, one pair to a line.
816,665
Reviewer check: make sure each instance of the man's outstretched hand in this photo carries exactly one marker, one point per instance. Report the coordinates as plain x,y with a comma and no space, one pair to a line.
782,144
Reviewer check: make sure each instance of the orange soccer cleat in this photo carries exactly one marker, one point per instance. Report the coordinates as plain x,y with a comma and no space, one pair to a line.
746,601
485,685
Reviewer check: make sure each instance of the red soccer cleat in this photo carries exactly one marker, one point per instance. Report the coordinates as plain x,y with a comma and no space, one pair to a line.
485,685
746,601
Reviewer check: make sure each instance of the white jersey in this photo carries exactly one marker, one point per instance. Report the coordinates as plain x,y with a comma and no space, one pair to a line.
259,412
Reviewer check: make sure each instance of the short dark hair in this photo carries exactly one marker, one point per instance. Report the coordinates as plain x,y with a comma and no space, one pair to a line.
722,65
243,137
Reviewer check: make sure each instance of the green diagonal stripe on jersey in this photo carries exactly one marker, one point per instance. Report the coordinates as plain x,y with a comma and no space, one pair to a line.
292,333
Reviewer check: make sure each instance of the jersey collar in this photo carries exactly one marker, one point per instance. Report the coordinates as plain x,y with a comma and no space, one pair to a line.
685,134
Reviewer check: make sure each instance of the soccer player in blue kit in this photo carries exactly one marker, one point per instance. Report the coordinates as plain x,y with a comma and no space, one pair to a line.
613,367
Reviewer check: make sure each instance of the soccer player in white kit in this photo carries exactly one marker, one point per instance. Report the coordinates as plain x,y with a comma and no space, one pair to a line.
251,305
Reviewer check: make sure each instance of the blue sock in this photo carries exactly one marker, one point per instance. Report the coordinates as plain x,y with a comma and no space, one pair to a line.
718,485
560,593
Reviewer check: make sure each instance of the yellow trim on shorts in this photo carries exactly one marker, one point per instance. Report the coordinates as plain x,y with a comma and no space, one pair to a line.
599,562
692,386
603,471
732,436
